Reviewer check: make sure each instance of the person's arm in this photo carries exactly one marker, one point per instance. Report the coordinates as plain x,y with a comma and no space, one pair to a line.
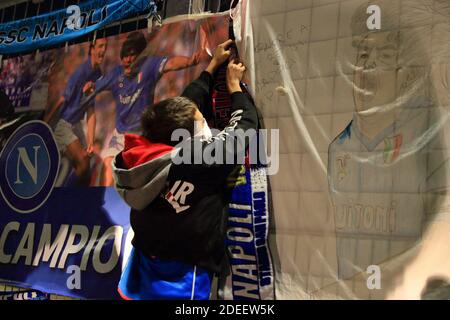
91,122
230,144
91,89
179,62
200,90
49,116
244,122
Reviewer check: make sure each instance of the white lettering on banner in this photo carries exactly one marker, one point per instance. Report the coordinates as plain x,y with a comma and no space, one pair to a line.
72,248
25,248
57,250
90,245
25,159
116,233
12,226
51,28
50,249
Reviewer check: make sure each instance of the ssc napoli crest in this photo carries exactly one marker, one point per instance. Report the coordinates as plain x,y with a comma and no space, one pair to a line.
29,165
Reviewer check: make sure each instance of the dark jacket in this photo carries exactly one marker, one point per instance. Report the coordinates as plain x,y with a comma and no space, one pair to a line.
179,211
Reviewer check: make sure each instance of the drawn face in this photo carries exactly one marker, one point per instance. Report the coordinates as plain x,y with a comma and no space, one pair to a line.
375,75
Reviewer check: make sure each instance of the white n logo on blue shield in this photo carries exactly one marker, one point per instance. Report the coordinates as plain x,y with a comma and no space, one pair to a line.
25,177
32,169
29,165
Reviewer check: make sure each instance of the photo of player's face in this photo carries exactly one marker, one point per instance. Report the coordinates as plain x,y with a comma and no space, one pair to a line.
375,75
98,51
127,63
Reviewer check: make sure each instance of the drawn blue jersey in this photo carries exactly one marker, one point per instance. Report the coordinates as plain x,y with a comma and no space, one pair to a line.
385,189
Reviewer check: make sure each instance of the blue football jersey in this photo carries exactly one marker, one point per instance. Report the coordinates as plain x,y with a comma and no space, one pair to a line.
73,111
132,94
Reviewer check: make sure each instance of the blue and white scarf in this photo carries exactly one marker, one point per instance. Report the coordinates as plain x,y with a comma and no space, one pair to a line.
251,274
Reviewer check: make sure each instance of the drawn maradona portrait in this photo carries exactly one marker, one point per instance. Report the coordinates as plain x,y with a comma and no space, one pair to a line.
388,169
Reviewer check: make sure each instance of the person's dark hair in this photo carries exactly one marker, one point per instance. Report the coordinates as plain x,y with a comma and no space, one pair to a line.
160,120
134,44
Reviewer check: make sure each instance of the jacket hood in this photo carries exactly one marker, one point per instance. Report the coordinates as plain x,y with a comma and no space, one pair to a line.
140,170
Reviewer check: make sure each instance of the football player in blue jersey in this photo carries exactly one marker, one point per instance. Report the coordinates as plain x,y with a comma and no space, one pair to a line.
69,133
132,85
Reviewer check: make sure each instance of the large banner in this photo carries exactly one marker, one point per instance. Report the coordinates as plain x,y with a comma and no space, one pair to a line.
66,24
359,90
63,227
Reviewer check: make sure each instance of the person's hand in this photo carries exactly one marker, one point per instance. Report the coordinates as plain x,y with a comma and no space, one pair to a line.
222,53
88,88
235,72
